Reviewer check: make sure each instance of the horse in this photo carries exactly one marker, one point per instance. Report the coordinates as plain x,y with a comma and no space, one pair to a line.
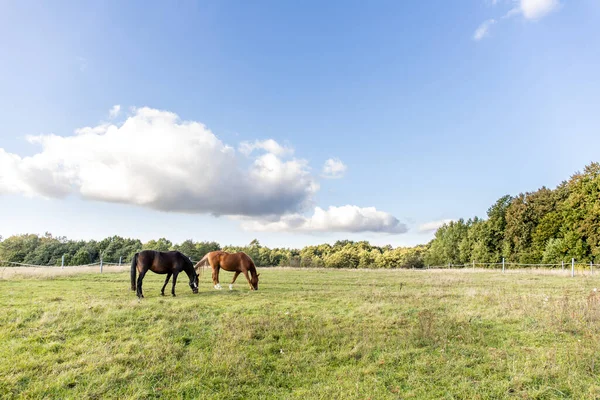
238,262
169,262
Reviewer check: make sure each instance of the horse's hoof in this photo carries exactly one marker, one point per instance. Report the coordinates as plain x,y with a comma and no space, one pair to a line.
218,286
162,294
230,287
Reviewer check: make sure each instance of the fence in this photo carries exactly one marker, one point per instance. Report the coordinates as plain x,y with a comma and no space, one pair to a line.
9,268
572,268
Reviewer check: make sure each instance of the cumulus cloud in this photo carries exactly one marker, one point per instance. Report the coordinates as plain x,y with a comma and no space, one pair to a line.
433,225
94,130
483,29
529,9
535,9
114,111
335,219
157,161
333,168
269,145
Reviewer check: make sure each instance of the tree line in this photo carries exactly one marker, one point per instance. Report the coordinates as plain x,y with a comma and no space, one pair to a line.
545,226
49,250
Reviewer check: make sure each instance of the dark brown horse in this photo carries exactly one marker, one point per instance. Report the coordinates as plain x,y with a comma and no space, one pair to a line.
233,262
170,263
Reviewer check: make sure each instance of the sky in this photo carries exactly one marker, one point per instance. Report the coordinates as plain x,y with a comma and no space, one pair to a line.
294,123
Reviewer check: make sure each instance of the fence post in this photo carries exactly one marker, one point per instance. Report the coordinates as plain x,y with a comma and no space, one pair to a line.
473,265
563,264
62,262
591,268
502,264
100,264
572,267
120,259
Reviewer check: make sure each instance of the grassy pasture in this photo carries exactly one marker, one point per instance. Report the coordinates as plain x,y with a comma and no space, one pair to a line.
310,334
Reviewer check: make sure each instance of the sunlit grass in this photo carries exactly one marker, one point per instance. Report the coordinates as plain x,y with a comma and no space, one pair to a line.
305,334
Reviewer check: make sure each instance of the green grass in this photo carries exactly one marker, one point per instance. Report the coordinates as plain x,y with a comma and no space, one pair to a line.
309,334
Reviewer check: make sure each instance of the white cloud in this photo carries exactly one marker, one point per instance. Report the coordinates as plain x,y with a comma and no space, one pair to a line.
334,168
96,130
433,225
511,13
535,9
335,219
483,29
157,161
268,145
114,111
529,9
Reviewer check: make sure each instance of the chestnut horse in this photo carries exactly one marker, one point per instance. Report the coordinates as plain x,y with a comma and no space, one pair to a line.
233,262
170,263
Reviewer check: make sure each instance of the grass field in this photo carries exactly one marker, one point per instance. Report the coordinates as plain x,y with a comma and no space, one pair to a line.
310,334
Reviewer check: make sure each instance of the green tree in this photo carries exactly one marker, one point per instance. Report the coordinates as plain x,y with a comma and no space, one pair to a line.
445,247
496,225
203,248
16,248
161,244
189,249
581,212
522,218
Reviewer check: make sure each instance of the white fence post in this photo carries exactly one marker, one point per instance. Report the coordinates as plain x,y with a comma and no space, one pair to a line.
572,267
100,264
473,265
502,264
62,262
563,265
591,268
120,259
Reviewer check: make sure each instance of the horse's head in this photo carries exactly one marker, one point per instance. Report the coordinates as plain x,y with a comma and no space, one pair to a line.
194,283
254,281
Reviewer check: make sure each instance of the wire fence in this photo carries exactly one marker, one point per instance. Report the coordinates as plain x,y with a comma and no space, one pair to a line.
10,268
573,268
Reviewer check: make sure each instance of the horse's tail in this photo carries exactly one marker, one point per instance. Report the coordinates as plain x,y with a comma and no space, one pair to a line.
202,263
133,270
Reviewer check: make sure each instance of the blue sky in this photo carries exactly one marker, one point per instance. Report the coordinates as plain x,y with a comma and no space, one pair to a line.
433,110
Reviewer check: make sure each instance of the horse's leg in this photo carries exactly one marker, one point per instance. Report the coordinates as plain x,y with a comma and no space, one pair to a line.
245,271
162,291
234,278
215,278
174,282
139,283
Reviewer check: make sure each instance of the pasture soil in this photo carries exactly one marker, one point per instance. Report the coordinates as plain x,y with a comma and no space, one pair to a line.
309,334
